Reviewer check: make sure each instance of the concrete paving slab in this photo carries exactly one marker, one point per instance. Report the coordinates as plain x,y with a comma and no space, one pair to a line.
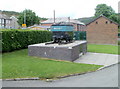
0,83
98,59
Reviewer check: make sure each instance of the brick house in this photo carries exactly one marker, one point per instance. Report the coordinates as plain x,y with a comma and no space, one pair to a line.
78,26
102,31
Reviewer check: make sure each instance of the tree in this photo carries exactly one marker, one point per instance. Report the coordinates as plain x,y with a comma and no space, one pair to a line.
115,17
108,12
30,18
104,10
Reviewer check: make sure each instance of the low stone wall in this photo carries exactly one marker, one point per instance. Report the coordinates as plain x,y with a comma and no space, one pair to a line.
69,52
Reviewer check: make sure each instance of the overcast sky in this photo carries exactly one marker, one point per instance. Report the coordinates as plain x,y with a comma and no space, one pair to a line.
63,8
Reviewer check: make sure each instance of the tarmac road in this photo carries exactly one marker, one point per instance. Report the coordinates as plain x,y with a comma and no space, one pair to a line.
107,77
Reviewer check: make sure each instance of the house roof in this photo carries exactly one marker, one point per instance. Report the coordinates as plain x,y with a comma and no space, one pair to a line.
63,24
100,17
39,26
3,16
13,17
62,19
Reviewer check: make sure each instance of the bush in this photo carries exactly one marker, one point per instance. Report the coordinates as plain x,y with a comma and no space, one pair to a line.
71,34
18,39
118,35
119,30
118,42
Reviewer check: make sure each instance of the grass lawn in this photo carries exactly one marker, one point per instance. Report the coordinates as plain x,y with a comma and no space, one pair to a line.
110,49
119,47
119,30
18,64
0,65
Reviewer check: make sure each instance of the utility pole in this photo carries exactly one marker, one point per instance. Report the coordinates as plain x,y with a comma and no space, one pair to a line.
54,16
24,18
24,22
69,19
1,20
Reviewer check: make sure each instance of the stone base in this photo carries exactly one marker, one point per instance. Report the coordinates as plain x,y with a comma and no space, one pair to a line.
69,52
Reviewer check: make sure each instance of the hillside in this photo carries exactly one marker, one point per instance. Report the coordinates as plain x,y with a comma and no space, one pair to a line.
86,19
11,13
16,14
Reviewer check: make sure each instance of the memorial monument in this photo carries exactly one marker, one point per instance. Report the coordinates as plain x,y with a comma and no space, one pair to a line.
62,47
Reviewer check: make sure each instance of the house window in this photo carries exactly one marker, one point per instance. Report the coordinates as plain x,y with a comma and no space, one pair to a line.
106,22
96,22
3,21
0,20
110,21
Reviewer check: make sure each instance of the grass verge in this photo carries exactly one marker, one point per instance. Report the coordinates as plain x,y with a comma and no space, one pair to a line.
119,47
110,49
18,64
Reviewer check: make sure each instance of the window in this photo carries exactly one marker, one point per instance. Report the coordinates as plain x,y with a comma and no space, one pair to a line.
7,21
106,22
2,21
96,22
111,22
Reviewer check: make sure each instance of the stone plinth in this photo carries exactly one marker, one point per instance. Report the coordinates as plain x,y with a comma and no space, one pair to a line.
68,52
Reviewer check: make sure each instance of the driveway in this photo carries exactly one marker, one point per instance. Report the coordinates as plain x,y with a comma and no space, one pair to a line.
98,59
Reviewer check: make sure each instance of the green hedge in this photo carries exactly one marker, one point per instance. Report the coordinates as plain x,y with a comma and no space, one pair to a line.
18,39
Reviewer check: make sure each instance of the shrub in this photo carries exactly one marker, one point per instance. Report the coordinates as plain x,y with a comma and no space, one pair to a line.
118,35
18,39
118,42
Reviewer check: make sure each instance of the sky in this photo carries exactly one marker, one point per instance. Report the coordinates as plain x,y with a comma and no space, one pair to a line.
63,8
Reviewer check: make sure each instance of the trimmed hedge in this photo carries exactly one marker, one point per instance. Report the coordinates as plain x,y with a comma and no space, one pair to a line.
19,39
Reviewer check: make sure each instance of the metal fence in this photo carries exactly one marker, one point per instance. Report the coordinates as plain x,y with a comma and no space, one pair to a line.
80,35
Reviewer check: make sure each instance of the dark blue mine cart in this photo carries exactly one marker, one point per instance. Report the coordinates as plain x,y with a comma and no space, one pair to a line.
62,32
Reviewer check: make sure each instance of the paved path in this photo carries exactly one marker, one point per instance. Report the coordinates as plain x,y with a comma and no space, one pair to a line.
98,58
0,83
107,77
